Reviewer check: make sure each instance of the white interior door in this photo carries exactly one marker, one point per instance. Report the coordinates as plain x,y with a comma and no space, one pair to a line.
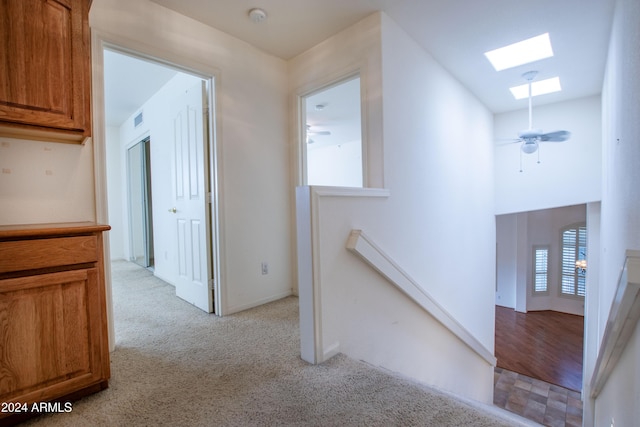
191,202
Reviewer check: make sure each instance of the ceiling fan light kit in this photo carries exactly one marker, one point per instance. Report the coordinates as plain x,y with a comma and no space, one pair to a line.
529,147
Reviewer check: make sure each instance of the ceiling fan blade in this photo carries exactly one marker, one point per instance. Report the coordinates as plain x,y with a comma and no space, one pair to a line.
556,136
507,141
530,134
319,132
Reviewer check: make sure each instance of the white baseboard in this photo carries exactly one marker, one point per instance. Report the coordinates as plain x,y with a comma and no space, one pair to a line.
239,308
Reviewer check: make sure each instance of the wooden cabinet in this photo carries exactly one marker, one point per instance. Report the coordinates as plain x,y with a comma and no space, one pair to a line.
53,323
45,70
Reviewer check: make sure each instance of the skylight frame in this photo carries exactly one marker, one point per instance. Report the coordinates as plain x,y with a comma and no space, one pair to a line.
520,53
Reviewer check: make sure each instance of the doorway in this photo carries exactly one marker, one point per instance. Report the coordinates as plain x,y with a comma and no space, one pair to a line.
140,204
537,278
152,147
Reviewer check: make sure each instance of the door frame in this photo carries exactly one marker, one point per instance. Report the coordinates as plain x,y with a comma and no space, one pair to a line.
101,41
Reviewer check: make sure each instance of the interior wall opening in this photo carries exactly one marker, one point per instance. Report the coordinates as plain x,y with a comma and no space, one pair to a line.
332,143
539,325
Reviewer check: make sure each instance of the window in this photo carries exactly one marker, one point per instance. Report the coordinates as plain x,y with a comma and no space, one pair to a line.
541,87
540,269
521,53
574,248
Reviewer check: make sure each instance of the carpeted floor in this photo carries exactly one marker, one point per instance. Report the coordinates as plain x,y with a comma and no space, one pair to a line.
175,365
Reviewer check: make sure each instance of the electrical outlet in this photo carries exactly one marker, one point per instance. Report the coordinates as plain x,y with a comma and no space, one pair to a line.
265,267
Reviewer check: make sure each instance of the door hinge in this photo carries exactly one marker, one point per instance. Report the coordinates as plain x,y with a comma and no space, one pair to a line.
209,198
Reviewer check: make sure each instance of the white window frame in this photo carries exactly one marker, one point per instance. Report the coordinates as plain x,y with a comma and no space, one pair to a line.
540,267
572,249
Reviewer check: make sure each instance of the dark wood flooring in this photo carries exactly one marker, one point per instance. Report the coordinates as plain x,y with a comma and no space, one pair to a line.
545,345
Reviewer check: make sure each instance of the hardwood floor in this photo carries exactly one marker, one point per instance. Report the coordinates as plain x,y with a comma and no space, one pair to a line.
545,345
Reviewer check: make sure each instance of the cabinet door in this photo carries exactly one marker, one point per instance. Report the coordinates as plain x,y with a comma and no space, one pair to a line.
44,64
51,335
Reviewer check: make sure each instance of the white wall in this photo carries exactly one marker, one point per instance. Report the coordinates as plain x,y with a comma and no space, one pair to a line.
440,212
441,186
116,193
569,173
44,182
335,165
506,260
516,236
620,215
251,111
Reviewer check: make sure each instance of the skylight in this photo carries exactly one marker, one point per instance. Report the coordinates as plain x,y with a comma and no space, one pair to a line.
541,87
520,53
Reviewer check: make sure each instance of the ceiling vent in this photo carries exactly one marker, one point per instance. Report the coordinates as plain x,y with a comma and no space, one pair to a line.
137,120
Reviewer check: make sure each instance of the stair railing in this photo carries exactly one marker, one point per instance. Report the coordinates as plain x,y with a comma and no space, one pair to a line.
370,253
622,321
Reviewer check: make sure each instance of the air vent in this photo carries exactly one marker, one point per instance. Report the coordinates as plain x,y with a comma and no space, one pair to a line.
137,120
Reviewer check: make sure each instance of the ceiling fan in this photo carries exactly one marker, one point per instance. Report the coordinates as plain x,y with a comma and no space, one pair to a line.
316,132
531,137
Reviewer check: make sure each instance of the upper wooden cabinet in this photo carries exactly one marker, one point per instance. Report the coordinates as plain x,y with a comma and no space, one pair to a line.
45,70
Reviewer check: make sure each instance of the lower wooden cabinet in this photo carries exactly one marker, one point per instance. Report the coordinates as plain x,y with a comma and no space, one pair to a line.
53,324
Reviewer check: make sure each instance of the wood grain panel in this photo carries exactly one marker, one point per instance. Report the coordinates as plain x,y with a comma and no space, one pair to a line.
45,71
30,255
39,231
37,59
44,331
38,43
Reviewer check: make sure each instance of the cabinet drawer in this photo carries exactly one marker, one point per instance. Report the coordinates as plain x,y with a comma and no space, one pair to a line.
43,253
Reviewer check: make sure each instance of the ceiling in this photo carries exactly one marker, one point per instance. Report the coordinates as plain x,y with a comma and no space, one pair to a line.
455,32
129,82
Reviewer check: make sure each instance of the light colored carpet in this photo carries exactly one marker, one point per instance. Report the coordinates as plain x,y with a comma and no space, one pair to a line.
177,366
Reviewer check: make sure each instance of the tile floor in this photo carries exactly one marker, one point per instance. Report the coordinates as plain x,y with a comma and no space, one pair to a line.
545,403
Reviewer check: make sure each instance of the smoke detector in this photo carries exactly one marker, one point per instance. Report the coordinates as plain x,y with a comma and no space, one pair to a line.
257,15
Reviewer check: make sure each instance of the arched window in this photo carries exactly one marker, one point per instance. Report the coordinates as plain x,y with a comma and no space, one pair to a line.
574,249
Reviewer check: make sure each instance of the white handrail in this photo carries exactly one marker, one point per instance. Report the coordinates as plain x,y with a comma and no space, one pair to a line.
623,318
362,246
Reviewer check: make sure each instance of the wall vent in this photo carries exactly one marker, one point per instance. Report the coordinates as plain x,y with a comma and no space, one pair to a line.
137,120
